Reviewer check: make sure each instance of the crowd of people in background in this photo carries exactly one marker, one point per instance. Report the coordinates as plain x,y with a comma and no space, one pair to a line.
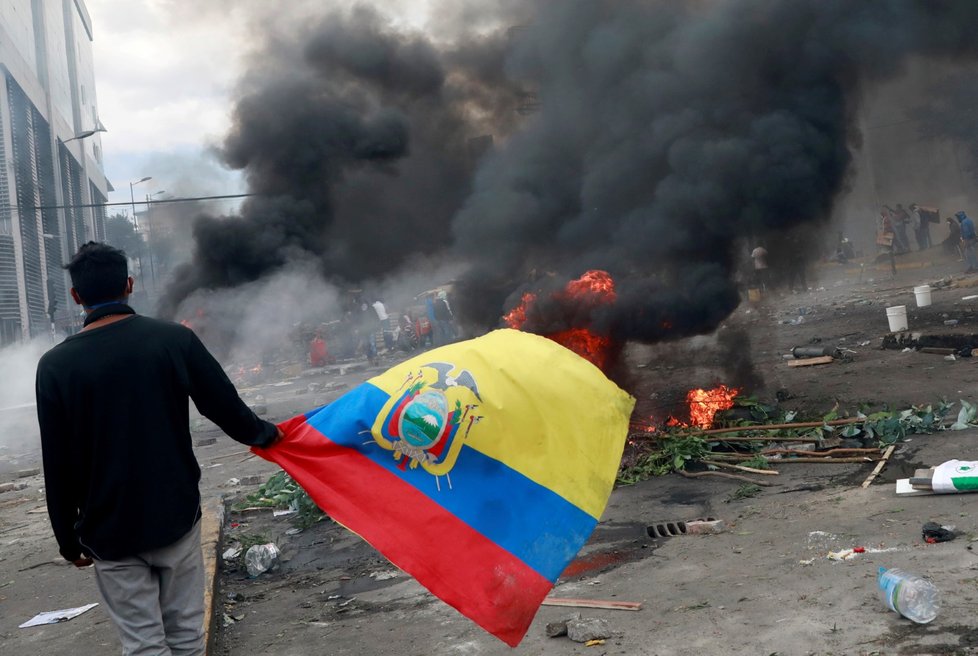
779,261
898,224
368,328
893,227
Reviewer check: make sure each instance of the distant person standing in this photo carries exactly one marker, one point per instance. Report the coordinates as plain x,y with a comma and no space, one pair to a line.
385,325
318,353
444,331
901,219
759,256
919,227
952,243
885,239
968,242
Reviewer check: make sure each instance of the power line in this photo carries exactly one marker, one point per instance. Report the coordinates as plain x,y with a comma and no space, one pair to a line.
127,203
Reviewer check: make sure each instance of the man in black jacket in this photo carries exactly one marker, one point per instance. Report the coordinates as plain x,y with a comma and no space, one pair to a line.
119,469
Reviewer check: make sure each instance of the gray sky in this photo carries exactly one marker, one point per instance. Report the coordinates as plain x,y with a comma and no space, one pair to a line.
165,73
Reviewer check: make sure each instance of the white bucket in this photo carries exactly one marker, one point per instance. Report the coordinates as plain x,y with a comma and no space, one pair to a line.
923,295
897,316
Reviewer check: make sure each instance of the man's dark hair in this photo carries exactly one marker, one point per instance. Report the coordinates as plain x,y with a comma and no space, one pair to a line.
98,273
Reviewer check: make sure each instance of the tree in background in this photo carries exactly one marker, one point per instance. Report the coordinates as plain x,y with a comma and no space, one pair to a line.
120,232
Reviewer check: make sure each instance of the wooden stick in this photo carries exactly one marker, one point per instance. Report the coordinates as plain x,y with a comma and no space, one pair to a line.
769,438
879,466
800,424
752,470
766,438
592,603
828,452
737,457
735,477
759,427
824,460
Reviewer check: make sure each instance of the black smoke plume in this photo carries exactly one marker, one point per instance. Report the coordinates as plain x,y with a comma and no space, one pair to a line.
652,139
359,142
668,133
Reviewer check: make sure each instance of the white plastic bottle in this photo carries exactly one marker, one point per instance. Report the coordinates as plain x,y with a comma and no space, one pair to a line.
913,597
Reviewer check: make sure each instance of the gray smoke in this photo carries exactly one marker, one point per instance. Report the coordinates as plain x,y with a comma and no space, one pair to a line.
19,436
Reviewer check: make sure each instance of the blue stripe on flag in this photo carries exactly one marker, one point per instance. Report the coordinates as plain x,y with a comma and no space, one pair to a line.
530,521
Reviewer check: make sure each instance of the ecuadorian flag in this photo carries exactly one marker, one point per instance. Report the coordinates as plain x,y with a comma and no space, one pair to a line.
479,468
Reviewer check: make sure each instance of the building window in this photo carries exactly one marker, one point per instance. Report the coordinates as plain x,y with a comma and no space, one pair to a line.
83,95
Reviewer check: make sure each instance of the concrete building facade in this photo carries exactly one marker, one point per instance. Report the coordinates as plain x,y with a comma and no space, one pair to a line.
52,185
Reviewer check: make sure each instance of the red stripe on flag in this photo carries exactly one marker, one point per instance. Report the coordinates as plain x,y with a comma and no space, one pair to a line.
476,576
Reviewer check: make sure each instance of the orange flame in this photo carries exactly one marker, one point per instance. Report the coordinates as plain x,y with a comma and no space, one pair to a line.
586,344
516,317
705,404
595,285
703,407
593,288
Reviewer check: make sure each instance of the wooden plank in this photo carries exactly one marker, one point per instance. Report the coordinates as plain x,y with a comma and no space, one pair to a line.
592,603
904,489
938,350
808,362
879,466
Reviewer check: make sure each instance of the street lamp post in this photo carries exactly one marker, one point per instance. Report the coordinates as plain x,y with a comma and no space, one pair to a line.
82,135
149,234
132,198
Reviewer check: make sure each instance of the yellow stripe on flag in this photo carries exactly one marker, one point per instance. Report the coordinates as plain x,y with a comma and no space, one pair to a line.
542,410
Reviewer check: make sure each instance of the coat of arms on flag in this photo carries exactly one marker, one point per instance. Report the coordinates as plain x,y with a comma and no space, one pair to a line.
427,424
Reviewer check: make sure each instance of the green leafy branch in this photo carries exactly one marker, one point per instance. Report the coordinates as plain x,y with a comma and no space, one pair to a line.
281,492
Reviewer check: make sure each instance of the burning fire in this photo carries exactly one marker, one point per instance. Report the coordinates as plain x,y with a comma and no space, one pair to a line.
516,317
586,344
246,375
703,407
594,288
705,404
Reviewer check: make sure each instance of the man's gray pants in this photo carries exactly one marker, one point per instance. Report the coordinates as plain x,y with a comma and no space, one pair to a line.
156,598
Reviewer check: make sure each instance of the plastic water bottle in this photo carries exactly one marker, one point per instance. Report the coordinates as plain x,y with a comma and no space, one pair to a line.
260,558
913,597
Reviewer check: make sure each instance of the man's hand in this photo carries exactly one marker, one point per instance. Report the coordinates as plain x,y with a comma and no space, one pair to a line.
278,438
83,561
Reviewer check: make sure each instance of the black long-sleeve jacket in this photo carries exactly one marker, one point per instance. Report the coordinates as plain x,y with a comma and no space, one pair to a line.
113,406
